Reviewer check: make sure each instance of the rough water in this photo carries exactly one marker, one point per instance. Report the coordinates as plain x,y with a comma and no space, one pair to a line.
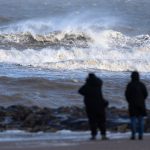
47,48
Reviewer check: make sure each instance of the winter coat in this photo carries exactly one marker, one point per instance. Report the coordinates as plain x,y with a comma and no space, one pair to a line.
93,99
135,94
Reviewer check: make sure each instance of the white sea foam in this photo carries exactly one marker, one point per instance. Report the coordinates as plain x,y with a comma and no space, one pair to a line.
106,49
113,52
17,135
61,136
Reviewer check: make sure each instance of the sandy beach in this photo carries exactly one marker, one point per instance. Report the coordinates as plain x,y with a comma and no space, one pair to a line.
112,144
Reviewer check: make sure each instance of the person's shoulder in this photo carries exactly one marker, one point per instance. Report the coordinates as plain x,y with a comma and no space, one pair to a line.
142,84
129,83
99,80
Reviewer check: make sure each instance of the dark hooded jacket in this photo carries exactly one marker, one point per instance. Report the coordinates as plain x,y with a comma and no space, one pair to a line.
136,93
92,93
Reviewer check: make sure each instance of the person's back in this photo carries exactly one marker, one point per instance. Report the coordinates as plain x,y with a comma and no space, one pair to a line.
94,104
135,94
92,93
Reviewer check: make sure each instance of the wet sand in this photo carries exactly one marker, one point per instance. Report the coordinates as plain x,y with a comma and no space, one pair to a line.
113,144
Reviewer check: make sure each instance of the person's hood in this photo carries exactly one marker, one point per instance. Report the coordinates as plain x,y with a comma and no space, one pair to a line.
135,76
92,80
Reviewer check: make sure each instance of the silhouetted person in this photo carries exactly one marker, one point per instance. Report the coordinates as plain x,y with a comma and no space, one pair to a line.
95,105
136,93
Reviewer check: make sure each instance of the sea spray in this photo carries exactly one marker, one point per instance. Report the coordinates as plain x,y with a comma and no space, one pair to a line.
104,50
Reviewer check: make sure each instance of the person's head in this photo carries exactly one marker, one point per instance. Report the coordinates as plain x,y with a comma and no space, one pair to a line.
91,76
92,79
135,76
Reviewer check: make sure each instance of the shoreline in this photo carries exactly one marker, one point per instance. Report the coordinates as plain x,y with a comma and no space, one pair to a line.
29,128
112,144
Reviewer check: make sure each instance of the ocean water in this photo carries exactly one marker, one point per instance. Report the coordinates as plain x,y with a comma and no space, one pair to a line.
47,48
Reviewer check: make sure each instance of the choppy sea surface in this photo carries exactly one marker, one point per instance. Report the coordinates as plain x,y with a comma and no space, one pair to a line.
47,48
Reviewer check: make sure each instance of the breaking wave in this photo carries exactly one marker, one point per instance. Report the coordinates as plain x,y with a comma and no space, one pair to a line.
88,48
37,41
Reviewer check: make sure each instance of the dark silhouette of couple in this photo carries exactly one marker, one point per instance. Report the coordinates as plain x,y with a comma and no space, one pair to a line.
96,105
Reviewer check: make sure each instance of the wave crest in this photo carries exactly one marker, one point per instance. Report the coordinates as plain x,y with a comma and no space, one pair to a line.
102,39
55,39
106,50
